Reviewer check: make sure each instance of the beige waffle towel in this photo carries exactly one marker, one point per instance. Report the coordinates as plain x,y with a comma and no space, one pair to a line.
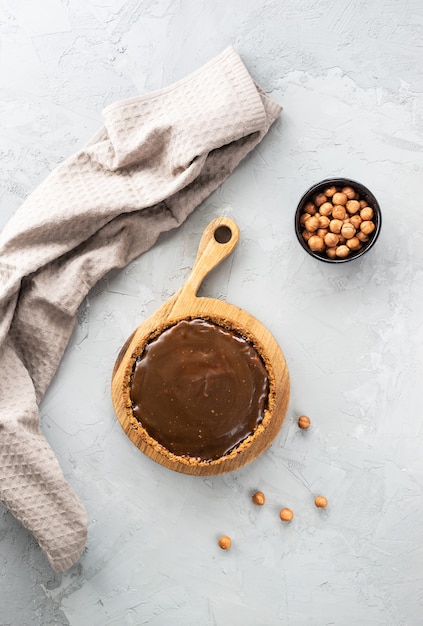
156,158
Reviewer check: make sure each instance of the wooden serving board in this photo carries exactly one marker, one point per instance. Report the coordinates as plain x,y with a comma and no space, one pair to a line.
218,241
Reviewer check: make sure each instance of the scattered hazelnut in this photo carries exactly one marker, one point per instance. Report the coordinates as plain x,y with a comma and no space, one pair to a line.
342,251
339,198
316,243
321,502
224,542
286,515
304,422
259,498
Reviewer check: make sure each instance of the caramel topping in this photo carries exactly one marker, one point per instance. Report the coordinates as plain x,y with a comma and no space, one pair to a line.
199,389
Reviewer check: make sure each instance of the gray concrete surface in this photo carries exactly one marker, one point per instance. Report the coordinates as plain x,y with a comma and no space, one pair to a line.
350,78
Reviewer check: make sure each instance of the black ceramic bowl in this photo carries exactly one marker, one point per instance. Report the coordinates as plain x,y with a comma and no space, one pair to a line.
339,183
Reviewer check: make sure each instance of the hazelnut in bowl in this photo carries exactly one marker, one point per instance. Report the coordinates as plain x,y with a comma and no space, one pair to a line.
337,220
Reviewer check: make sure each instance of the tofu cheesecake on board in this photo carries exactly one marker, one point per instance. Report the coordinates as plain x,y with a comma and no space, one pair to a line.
201,387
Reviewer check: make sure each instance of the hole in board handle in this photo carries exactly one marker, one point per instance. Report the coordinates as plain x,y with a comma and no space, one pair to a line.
223,234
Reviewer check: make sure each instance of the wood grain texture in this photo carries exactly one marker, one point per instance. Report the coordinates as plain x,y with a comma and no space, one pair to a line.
218,241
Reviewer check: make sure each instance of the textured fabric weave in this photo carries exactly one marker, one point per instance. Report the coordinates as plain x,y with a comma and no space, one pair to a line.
155,159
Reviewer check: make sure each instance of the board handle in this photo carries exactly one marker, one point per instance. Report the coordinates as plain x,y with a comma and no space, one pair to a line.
219,238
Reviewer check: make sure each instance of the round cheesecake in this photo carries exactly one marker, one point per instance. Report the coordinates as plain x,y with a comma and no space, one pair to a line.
199,390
